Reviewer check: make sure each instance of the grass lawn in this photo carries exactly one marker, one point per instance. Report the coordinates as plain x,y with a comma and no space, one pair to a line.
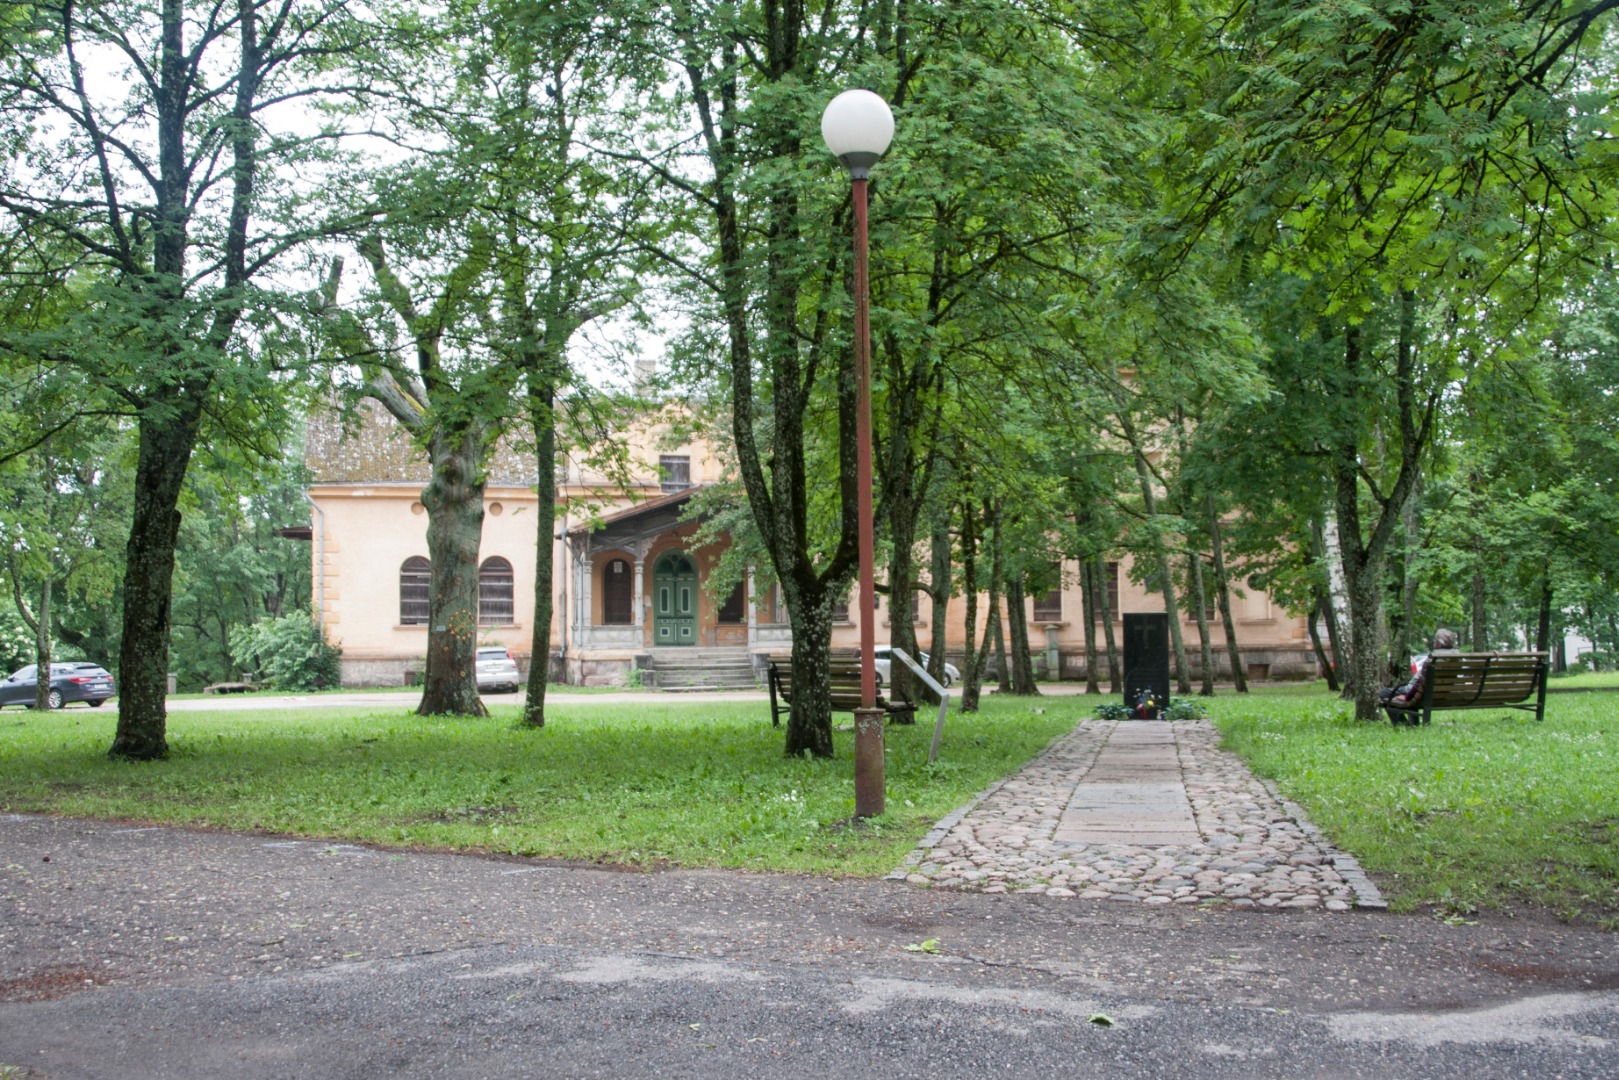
1585,680
698,784
1482,809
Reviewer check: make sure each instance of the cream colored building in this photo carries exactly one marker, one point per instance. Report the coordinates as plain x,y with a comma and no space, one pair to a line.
631,586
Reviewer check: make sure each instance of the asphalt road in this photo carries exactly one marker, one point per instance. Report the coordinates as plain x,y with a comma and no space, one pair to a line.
134,952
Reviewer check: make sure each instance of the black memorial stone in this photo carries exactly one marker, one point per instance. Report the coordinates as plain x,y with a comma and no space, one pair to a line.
1146,658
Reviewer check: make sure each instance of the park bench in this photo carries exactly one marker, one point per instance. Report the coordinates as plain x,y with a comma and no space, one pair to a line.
845,680
1495,680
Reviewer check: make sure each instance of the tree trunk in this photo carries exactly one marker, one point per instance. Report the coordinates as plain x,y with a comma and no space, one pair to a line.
1017,618
992,629
1003,667
940,593
972,669
1366,645
1479,634
906,479
1362,552
1115,679
1329,612
1320,653
809,725
42,646
1411,524
542,419
1183,680
765,341
1195,565
1362,558
1222,590
902,589
1362,563
166,442
1087,592
454,502
1543,625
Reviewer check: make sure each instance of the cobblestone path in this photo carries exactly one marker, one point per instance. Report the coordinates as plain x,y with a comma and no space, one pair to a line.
1145,812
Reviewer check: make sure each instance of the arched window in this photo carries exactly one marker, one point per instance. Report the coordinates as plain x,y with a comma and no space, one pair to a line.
617,593
415,591
495,592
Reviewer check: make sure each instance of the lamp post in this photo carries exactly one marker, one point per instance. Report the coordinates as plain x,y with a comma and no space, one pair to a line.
858,127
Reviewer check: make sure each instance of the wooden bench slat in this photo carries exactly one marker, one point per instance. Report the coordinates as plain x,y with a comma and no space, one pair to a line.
1464,691
1516,690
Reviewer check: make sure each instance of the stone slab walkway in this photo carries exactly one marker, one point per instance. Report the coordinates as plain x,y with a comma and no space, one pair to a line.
1140,811
1132,794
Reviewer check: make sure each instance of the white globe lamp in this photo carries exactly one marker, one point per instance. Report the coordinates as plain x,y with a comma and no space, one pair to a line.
857,126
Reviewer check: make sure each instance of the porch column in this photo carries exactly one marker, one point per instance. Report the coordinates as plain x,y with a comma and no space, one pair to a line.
753,612
579,559
561,612
640,598
587,610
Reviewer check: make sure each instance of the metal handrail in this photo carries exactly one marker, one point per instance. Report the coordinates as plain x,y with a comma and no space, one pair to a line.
944,698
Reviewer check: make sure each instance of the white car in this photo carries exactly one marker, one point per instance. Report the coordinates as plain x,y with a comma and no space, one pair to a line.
497,671
883,655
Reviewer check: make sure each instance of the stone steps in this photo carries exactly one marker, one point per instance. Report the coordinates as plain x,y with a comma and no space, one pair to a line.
700,669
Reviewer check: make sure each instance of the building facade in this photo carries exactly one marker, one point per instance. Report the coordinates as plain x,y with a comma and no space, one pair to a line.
635,588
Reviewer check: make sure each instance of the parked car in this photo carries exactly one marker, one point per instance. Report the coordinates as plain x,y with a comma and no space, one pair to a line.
883,655
497,671
71,681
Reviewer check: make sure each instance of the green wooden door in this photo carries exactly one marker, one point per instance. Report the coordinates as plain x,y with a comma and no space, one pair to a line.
674,600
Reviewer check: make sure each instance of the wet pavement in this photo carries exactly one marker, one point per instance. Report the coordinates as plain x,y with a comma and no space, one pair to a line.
130,952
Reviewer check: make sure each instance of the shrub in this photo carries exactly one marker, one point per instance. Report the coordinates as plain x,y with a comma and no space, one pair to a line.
1184,709
289,653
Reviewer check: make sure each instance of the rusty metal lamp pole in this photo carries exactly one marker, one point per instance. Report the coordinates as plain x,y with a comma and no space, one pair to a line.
858,126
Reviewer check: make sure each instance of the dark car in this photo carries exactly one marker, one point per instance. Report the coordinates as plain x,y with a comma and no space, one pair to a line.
73,681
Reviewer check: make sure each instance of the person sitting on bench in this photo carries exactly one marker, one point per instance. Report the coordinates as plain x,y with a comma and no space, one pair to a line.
1404,697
